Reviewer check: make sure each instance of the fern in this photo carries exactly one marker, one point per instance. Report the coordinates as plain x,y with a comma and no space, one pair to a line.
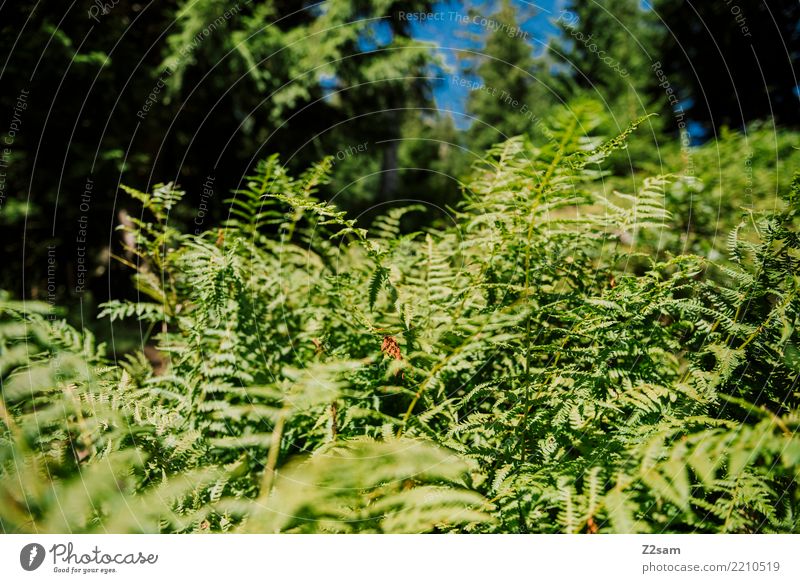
549,363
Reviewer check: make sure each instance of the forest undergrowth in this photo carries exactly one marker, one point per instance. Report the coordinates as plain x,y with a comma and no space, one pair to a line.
551,362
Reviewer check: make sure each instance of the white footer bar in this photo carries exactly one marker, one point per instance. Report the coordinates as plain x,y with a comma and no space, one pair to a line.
406,559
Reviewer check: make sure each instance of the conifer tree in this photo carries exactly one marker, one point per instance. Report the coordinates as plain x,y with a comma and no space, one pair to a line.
514,91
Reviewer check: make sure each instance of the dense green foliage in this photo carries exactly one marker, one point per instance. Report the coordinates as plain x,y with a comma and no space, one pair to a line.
553,362
189,89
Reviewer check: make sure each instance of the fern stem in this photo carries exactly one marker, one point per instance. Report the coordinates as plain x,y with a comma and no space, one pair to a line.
6,418
443,362
543,184
734,498
268,479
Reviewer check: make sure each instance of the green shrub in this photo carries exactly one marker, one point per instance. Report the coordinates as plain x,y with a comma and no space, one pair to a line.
537,367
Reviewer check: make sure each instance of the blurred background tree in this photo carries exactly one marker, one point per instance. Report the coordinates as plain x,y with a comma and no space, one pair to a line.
192,92
733,62
515,92
606,51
